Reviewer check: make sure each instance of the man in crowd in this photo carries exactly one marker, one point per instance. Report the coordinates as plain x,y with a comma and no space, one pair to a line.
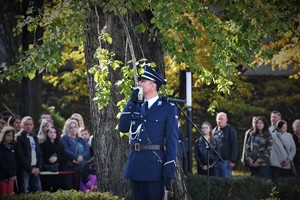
226,144
275,117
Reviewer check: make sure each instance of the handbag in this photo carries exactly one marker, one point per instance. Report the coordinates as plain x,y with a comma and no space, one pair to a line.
293,169
53,167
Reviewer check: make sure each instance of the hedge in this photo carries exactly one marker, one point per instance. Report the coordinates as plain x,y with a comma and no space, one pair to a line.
245,187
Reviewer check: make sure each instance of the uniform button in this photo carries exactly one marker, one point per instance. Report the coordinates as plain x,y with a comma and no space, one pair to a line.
142,129
140,139
145,120
156,120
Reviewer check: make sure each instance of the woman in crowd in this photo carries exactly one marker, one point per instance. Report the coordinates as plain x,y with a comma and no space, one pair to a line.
283,151
44,127
2,123
246,139
201,151
52,151
76,149
15,122
258,149
296,136
79,119
53,159
8,161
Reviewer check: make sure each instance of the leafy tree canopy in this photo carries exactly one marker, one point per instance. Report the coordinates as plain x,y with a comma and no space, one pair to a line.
211,38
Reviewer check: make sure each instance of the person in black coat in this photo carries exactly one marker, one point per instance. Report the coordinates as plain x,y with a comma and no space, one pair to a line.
52,150
8,161
53,158
204,156
29,157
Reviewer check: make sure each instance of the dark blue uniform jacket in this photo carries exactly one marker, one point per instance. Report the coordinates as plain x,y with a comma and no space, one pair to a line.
158,126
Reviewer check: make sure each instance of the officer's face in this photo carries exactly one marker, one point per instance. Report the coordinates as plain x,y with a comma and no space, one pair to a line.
147,85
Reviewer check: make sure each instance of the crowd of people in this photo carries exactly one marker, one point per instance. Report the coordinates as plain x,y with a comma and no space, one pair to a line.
26,151
269,151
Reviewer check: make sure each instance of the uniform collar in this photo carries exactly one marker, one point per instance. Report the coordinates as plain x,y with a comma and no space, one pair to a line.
152,101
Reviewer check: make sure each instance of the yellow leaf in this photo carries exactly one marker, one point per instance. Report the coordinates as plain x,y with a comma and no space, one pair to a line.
31,75
109,40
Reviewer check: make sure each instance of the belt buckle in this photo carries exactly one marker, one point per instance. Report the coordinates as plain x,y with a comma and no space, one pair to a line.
137,147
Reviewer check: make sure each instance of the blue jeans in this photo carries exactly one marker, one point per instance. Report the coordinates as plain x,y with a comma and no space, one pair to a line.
222,169
30,183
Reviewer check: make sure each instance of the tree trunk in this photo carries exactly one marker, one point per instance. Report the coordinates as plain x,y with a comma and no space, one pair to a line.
179,187
31,91
110,149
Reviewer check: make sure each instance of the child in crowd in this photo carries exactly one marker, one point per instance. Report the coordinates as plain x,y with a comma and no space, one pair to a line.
88,180
86,135
8,162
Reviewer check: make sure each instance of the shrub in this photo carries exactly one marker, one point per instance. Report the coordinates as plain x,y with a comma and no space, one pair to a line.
246,187
64,195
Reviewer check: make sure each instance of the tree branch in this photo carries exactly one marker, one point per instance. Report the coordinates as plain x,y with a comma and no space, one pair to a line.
130,47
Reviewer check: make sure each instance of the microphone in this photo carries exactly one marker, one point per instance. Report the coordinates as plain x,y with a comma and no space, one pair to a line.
172,100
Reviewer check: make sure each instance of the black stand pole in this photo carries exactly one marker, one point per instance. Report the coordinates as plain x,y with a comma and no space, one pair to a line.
189,134
209,147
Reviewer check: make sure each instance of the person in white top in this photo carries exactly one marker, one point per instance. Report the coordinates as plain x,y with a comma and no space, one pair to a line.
283,151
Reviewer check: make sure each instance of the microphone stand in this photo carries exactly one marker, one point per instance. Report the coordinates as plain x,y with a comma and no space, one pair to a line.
208,148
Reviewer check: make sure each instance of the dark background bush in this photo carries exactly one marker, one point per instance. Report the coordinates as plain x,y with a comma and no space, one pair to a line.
244,187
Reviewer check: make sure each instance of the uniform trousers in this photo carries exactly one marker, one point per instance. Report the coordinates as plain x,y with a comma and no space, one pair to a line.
148,190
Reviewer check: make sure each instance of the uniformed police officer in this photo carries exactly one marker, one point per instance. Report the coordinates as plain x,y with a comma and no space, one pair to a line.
153,134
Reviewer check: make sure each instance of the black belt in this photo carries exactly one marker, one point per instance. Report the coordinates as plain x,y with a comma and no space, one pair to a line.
150,147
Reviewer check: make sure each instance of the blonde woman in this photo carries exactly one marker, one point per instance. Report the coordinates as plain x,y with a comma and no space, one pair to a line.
79,119
44,127
76,149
